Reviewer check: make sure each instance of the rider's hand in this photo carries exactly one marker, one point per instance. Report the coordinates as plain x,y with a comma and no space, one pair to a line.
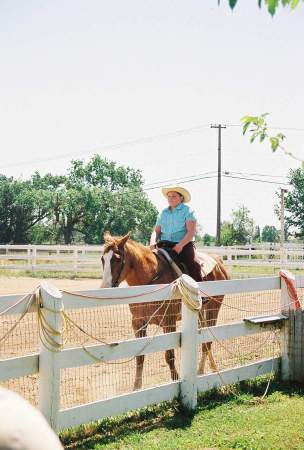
178,248
152,246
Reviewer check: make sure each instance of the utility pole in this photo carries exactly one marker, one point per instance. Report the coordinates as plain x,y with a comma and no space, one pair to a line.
219,173
282,213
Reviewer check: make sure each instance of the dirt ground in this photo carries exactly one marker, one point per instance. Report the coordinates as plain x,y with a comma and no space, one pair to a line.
97,381
22,285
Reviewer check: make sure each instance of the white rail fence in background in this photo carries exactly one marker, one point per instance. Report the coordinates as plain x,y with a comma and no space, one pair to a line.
86,258
48,364
61,258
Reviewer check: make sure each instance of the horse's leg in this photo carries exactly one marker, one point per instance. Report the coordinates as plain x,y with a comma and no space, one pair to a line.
212,310
140,330
169,354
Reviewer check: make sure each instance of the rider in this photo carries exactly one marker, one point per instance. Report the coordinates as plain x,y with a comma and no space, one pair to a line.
175,228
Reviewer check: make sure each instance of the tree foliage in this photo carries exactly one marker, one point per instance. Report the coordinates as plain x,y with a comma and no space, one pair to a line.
22,206
294,202
77,207
272,5
270,234
258,129
240,230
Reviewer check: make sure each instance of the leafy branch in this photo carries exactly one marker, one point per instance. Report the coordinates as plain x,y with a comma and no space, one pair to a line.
258,128
271,5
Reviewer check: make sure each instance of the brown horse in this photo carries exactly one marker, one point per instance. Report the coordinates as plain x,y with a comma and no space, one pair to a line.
126,260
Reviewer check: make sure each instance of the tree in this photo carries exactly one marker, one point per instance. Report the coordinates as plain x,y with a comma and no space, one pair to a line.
208,240
294,202
79,206
113,200
272,5
257,234
270,234
22,206
243,225
227,233
240,230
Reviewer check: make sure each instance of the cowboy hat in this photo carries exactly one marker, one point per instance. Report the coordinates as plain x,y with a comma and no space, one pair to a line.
182,191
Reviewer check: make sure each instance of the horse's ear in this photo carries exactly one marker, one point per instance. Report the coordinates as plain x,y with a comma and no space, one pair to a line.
107,236
123,240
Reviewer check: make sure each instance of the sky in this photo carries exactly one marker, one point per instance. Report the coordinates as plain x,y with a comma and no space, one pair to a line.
79,77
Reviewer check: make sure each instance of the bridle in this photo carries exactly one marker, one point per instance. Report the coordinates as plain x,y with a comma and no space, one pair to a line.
122,265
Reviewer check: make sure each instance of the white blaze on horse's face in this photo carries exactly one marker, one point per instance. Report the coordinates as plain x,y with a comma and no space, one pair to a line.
107,273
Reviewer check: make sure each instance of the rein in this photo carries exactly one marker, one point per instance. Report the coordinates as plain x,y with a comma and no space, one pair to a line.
123,261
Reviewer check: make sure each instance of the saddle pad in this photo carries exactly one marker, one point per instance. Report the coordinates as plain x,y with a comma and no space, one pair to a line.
207,263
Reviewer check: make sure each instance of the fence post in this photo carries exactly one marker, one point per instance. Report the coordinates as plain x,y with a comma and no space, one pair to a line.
229,256
75,256
189,352
297,347
49,370
34,258
285,308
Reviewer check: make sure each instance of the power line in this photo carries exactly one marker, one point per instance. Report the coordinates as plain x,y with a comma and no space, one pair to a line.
196,176
227,172
254,179
144,140
179,179
269,127
184,182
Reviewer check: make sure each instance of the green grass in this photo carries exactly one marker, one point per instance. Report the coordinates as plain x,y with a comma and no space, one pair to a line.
6,273
231,418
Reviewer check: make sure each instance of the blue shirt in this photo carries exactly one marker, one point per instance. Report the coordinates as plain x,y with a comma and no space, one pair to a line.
172,222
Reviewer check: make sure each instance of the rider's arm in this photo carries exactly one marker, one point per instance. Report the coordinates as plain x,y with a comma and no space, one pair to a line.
191,230
155,235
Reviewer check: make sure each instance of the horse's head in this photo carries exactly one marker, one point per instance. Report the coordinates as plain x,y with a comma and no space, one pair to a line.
113,260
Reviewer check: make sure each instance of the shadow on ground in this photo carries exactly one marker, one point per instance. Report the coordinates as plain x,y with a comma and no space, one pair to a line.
170,415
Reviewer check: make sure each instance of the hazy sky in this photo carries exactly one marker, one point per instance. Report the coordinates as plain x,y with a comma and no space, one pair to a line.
80,75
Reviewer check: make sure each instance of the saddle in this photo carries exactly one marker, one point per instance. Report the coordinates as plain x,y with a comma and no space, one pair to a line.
171,257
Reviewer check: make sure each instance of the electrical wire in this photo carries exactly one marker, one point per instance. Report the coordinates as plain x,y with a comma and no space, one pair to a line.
144,140
121,145
256,180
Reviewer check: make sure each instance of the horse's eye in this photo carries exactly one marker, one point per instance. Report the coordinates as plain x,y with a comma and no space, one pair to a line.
116,256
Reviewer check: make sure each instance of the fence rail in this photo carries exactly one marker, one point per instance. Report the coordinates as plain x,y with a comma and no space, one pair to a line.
48,364
86,258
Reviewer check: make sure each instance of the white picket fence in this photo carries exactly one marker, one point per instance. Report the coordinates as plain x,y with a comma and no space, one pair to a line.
49,364
86,258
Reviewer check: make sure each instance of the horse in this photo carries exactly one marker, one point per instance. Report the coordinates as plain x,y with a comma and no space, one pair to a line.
126,260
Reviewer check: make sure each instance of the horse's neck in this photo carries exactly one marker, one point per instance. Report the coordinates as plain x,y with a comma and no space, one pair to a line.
142,264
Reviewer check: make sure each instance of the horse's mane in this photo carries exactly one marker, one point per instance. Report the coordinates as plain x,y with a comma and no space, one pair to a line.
136,250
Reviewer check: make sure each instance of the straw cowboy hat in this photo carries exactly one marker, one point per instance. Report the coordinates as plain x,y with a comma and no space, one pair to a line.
180,190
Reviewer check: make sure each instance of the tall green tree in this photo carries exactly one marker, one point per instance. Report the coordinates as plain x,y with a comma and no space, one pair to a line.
243,225
227,233
92,198
294,202
270,234
240,230
22,206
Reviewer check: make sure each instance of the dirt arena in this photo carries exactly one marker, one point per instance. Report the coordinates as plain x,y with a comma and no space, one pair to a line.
102,380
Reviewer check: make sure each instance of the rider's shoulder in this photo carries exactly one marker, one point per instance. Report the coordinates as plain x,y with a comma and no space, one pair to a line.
187,208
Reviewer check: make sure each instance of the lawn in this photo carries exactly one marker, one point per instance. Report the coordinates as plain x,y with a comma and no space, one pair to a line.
237,417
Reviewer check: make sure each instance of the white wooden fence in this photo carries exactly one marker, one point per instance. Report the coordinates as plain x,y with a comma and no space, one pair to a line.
86,258
48,364
61,258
